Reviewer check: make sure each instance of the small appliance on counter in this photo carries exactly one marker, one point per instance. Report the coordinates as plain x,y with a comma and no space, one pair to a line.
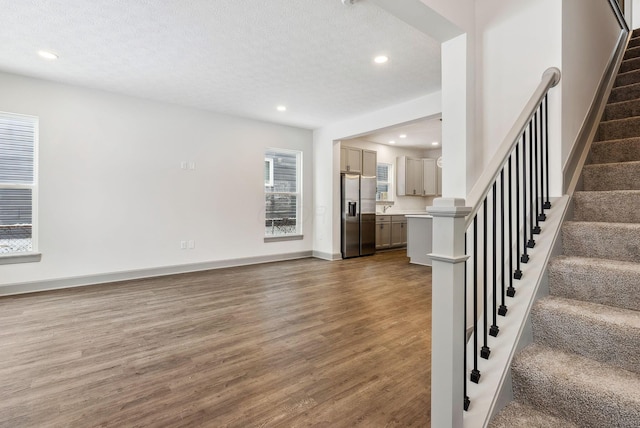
358,207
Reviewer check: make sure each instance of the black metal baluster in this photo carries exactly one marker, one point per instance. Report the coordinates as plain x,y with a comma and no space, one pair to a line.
485,351
536,173
525,255
511,291
547,204
467,401
518,273
531,243
541,216
494,327
475,373
502,310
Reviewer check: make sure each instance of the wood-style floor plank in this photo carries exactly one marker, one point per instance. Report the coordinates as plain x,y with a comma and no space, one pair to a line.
290,344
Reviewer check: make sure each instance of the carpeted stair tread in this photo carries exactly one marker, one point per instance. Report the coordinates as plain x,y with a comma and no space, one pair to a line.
613,151
520,415
626,92
612,241
603,333
628,78
613,206
622,109
632,52
612,176
635,33
607,282
569,386
619,128
634,42
629,64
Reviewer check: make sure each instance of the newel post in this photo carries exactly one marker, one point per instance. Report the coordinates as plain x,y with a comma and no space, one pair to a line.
448,338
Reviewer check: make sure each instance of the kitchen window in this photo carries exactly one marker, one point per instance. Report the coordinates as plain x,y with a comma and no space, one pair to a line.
18,148
384,183
283,199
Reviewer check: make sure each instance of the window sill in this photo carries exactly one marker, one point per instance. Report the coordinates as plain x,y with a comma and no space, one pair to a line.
20,258
283,238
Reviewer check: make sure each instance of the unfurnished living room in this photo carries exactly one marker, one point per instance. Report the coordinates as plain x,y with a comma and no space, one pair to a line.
335,213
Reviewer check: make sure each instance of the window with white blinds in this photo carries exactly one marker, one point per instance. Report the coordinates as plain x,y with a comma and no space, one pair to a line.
282,183
384,181
18,136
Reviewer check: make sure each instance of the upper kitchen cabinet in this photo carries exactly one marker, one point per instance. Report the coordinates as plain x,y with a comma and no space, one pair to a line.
369,163
417,177
429,174
439,179
351,160
409,176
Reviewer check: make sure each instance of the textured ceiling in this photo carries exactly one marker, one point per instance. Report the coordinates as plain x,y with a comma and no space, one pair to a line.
241,57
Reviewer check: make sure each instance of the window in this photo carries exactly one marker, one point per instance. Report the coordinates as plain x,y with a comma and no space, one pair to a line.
282,183
18,136
384,183
268,172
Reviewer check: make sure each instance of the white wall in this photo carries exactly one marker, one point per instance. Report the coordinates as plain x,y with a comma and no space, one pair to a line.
585,56
326,154
113,197
517,41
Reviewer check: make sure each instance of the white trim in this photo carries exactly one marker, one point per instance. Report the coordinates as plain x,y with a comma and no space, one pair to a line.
80,281
13,258
327,256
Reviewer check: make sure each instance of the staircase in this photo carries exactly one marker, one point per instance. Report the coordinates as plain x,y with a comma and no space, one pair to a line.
583,369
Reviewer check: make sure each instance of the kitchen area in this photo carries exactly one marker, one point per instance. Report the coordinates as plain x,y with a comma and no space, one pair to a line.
388,178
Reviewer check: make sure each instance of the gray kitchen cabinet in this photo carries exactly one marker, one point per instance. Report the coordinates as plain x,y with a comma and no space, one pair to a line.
409,176
383,232
369,163
398,231
351,160
391,231
430,182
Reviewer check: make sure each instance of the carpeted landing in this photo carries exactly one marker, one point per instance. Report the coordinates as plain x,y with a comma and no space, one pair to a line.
583,369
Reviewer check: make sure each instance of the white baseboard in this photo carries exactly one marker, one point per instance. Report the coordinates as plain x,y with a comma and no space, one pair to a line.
327,256
80,281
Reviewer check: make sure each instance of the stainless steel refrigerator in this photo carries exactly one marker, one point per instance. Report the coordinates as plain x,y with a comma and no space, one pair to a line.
358,215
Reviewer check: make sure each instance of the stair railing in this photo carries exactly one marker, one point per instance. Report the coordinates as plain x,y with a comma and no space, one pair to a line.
480,249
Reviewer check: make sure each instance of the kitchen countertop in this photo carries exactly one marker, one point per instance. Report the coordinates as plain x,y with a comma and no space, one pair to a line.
408,212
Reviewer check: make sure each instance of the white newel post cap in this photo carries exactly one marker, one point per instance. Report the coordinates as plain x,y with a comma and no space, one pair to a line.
449,207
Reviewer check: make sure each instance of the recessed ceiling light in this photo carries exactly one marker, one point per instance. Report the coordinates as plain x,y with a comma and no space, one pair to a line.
47,55
403,135
281,108
435,143
392,142
380,59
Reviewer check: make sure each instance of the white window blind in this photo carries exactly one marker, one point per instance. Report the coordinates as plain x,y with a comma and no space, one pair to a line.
282,192
384,182
17,182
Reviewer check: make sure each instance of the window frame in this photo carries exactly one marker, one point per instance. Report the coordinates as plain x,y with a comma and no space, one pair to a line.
298,232
33,255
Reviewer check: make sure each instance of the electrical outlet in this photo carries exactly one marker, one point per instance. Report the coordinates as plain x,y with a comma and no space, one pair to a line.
183,245
192,244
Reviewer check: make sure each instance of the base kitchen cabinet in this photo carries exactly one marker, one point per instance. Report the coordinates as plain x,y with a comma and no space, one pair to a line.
383,232
398,231
391,231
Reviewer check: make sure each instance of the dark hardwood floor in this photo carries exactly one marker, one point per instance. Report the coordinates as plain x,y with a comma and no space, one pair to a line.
300,343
